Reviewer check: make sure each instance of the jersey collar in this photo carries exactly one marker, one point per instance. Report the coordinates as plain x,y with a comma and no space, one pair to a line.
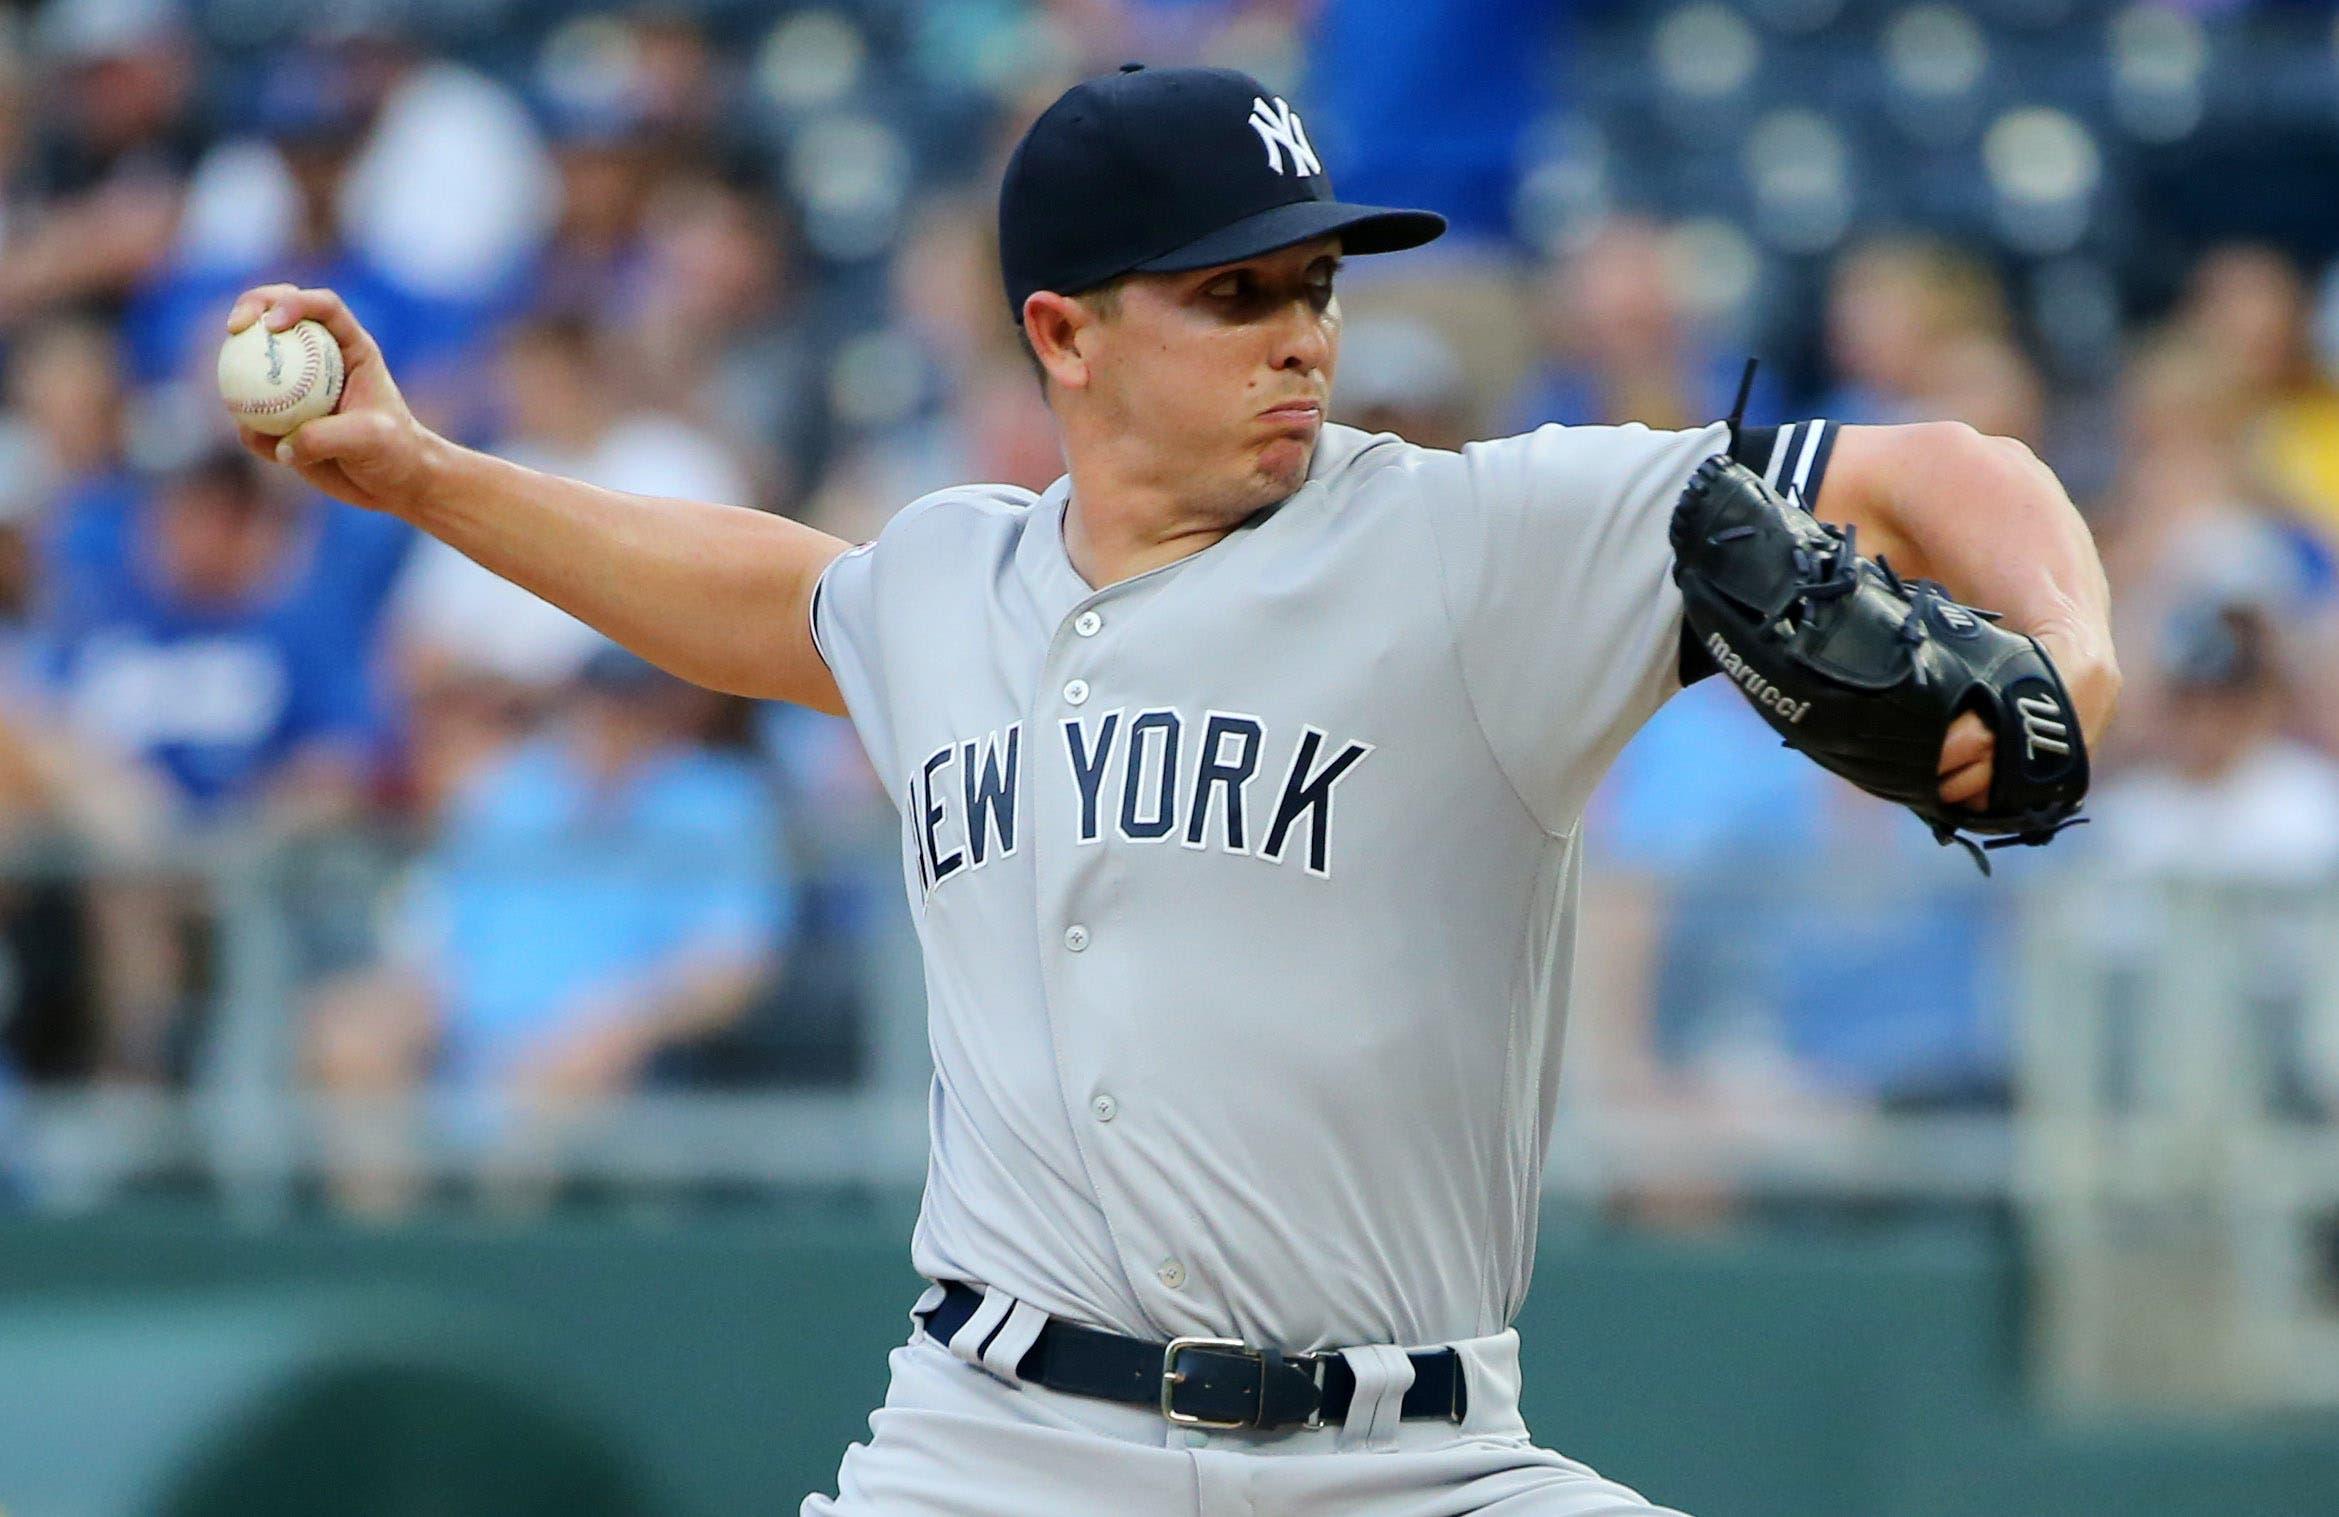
1046,566
1040,557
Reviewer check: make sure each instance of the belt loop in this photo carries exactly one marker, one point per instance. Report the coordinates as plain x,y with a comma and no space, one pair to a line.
1383,1375
968,1341
1013,1341
1486,1373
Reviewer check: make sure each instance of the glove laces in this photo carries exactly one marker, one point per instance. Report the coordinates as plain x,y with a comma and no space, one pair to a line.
2037,832
1818,582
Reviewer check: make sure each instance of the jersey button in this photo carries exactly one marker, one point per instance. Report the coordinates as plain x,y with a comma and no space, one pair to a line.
1076,937
1105,1107
1087,623
1076,692
1173,1274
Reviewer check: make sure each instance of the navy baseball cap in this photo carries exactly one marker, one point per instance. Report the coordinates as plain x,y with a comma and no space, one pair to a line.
1159,170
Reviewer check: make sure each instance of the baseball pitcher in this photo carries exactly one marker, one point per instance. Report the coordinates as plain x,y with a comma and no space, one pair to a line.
1240,776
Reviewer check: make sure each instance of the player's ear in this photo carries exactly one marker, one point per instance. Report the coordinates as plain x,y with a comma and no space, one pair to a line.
1053,324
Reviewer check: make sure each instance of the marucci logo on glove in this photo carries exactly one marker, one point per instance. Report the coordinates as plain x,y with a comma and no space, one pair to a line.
1758,690
2043,727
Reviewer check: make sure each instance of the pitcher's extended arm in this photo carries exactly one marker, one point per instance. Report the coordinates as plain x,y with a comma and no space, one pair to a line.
716,594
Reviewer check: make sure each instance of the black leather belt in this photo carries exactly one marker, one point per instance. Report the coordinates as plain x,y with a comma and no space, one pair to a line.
1207,1382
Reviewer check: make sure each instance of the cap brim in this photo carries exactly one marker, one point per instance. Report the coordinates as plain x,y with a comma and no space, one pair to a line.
1361,229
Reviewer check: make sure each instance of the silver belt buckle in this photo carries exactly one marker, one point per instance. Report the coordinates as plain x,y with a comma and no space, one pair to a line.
1172,1377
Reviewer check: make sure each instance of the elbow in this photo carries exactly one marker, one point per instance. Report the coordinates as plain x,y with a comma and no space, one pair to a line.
1915,489
1959,443
1964,442
1954,461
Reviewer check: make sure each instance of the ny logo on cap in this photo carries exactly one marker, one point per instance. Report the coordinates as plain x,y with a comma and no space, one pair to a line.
1278,127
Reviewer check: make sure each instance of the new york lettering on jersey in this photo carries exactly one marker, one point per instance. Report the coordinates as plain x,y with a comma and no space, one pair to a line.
1136,785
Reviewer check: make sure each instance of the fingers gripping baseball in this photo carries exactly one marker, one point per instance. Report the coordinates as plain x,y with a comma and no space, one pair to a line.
358,438
369,451
278,306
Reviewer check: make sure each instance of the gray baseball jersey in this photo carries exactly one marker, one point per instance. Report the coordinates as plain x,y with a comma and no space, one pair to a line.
1247,886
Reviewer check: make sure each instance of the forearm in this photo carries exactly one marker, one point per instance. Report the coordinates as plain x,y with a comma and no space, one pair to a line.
718,595
715,594
1984,517
1988,520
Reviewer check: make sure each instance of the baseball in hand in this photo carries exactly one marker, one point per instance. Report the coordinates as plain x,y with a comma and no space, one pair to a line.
274,381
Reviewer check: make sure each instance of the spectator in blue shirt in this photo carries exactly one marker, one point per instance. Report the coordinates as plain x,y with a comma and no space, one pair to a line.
68,475
197,665
606,891
218,642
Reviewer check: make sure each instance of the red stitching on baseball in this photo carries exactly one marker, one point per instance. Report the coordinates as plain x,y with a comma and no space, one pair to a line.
314,349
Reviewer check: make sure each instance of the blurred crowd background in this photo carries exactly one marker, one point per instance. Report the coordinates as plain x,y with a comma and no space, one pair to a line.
295,799
343,885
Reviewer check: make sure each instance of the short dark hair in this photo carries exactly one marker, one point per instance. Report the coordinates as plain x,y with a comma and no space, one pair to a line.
1104,299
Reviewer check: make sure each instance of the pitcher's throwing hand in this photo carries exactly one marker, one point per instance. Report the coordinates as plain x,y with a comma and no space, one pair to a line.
369,451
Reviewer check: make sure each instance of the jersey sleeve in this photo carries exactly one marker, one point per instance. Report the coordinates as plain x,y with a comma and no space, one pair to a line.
845,629
1558,582
1792,459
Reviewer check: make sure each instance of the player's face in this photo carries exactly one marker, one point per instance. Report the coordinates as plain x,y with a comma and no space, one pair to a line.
1228,370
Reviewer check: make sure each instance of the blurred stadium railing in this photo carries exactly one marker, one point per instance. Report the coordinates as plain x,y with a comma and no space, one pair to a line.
2179,1166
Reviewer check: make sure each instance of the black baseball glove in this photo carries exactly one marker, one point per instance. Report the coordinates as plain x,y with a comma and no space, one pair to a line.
1864,671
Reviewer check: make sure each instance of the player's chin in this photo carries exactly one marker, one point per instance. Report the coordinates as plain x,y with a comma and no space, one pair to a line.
1283,461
